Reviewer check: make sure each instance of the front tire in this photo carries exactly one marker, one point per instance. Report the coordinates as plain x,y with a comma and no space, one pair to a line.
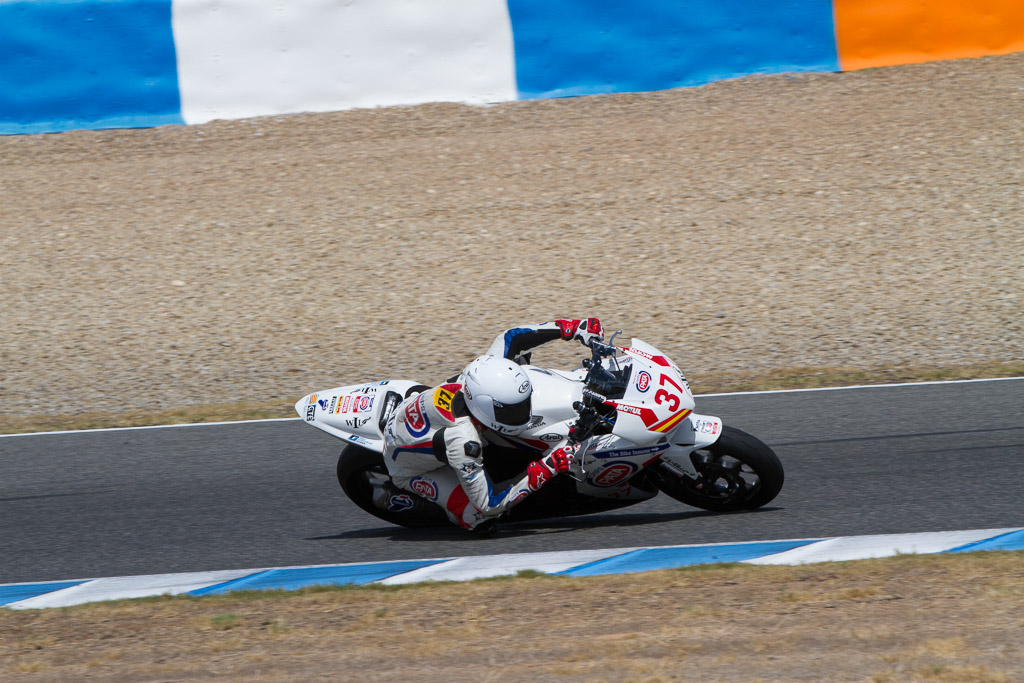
737,472
362,473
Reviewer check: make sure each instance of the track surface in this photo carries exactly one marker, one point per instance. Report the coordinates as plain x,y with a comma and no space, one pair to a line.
858,461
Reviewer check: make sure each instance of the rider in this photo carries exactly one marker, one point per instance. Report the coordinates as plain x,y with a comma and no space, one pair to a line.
433,442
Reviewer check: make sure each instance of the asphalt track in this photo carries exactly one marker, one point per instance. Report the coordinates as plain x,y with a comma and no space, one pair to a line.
858,461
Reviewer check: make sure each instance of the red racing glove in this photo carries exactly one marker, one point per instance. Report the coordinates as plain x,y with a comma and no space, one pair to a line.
585,330
555,462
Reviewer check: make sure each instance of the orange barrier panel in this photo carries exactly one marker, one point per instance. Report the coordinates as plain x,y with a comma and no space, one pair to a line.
872,33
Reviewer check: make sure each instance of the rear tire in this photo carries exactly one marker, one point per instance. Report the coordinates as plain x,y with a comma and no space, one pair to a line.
361,471
737,472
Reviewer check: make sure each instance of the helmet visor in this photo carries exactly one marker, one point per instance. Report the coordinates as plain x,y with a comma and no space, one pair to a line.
514,414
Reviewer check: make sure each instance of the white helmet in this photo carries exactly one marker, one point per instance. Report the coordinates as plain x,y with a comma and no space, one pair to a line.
498,394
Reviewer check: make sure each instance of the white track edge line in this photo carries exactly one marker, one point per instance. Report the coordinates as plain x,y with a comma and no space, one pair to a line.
734,393
170,426
862,386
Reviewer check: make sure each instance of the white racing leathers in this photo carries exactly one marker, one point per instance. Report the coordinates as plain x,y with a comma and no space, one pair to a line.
433,448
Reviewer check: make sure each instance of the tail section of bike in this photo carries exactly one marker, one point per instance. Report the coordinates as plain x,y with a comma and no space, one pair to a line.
356,413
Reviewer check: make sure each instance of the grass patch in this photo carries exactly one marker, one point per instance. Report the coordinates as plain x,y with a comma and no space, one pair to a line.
225,622
789,378
946,625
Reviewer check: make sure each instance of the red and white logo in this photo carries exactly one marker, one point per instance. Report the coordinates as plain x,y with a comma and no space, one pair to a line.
646,414
424,487
643,381
615,473
415,421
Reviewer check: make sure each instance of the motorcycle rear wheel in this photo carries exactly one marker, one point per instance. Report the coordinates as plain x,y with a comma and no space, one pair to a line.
360,471
737,472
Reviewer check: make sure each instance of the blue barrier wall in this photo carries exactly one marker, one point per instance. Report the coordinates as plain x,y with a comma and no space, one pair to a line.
583,47
67,64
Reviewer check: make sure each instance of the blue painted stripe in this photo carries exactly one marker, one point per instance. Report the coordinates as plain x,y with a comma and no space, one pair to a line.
649,559
23,591
293,579
70,64
583,47
1013,540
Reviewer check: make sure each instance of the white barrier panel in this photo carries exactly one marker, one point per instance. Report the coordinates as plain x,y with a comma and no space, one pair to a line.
243,58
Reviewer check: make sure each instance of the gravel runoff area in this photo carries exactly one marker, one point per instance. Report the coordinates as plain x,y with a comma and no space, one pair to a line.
858,221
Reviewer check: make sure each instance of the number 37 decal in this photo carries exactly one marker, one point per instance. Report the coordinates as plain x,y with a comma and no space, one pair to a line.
665,396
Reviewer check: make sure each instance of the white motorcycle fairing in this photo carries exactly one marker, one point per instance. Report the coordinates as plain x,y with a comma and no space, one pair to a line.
355,413
654,419
627,412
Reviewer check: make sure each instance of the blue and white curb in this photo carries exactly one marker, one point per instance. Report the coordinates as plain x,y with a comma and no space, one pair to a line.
570,563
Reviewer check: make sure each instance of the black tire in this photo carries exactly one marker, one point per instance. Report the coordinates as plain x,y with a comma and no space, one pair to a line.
416,389
737,472
361,470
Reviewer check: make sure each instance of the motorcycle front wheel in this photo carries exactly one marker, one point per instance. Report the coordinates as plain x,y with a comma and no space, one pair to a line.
737,472
364,479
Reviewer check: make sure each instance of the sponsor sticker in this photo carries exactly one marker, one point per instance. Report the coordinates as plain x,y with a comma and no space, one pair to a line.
400,502
364,404
551,438
443,400
614,473
322,403
312,400
648,416
334,400
643,381
345,404
416,419
424,487
310,412
705,426
631,452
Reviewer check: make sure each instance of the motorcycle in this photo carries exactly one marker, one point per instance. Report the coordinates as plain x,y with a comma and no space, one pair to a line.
628,409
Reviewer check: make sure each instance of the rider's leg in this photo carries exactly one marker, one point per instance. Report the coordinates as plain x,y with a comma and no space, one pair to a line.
442,486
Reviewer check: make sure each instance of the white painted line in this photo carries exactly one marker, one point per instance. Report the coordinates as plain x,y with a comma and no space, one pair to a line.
735,393
123,587
862,386
847,548
171,426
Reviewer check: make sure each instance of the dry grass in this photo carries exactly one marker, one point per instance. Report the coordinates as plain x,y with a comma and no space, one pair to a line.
907,618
